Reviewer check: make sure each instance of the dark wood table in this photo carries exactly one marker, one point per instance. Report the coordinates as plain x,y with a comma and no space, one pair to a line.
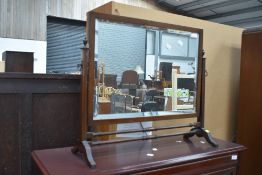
170,155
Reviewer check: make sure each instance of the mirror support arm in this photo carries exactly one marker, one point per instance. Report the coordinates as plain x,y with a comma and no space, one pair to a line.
83,147
201,117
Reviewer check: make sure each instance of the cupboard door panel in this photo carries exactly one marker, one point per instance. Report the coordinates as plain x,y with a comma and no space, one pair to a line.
217,166
230,171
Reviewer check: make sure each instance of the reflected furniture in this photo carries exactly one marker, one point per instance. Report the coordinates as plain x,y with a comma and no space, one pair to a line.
150,106
130,81
110,80
156,84
185,94
249,116
165,156
166,69
149,103
104,107
121,103
150,94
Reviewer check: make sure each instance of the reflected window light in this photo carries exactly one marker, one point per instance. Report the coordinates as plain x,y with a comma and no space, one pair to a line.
180,43
168,46
194,35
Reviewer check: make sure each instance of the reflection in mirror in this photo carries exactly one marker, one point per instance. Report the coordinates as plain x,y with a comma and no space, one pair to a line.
142,69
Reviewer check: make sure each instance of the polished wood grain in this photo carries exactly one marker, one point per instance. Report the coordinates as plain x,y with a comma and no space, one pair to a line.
90,35
173,156
11,75
83,97
201,117
9,134
250,103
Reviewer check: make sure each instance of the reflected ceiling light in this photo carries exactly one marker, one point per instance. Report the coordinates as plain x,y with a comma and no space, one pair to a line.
194,35
180,43
168,46
172,31
139,70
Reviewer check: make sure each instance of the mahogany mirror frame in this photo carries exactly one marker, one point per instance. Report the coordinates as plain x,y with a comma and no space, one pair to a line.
88,72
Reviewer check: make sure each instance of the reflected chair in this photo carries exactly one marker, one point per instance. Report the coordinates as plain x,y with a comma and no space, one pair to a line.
150,106
140,96
166,69
128,103
130,81
118,103
129,78
150,94
110,80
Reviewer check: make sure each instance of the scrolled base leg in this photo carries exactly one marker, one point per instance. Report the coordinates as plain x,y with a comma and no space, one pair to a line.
85,150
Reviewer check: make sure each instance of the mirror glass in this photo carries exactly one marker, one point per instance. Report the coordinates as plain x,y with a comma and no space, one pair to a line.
143,71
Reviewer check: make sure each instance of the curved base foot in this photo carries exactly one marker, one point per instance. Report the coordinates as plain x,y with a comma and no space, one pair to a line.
201,132
85,150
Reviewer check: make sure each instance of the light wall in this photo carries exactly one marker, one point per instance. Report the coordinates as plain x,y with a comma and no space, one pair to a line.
222,45
2,66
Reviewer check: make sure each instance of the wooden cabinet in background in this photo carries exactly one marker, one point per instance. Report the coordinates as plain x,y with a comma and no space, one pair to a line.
250,103
37,111
18,61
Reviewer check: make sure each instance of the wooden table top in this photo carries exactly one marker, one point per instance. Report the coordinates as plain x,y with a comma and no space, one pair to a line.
131,156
